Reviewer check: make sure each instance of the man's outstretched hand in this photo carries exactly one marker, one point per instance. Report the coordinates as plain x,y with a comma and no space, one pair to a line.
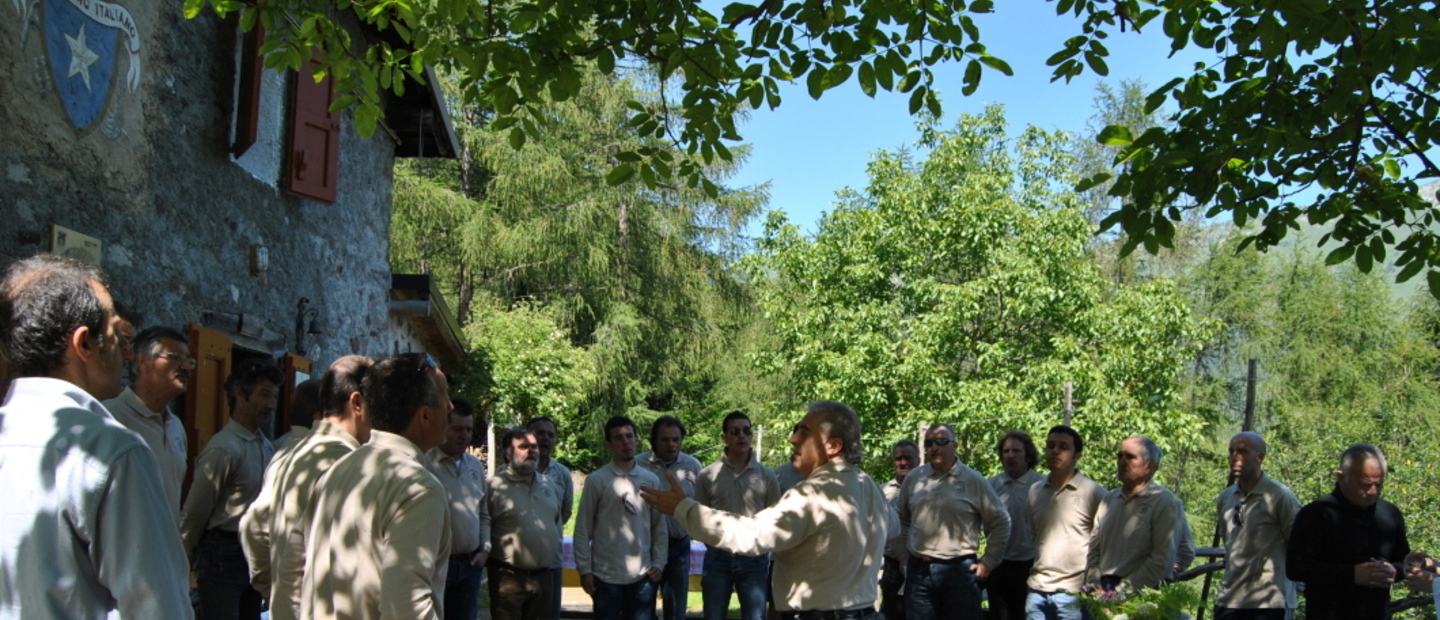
665,501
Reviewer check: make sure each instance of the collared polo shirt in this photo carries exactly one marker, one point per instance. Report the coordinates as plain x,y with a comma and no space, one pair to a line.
1135,536
464,480
228,476
686,468
895,546
944,512
1256,526
164,432
741,490
525,526
1063,520
617,535
1015,496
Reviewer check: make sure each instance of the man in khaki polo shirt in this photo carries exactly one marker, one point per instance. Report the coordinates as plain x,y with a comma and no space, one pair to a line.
524,532
1135,540
464,478
545,436
667,437
379,536
162,371
273,529
945,504
905,456
228,476
1256,514
1006,585
739,484
1062,514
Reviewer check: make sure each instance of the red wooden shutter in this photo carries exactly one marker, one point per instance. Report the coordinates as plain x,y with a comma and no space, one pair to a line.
247,104
314,154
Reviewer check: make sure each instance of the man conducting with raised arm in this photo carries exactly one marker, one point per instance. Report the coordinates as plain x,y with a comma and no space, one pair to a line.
828,533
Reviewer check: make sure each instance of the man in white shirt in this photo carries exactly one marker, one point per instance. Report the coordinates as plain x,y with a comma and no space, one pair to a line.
72,475
162,371
620,542
828,533
464,478
1006,585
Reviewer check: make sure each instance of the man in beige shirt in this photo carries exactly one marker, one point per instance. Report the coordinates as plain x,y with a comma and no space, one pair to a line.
667,437
524,533
620,542
228,476
1135,528
379,536
1062,516
905,456
273,529
1256,514
945,505
464,478
828,533
162,371
1006,584
738,484
545,436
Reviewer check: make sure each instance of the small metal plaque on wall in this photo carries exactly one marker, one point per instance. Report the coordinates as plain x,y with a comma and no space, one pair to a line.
66,242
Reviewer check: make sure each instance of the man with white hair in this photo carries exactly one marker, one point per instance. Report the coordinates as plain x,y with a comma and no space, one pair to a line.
1136,524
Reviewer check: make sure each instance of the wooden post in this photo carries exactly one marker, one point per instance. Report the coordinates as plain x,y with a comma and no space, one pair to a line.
1069,404
759,442
1250,397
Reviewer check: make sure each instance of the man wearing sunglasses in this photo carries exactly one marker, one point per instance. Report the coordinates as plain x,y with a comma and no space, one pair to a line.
1256,514
739,484
162,372
945,504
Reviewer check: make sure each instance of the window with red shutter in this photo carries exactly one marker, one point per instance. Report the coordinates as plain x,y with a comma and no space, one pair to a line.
313,156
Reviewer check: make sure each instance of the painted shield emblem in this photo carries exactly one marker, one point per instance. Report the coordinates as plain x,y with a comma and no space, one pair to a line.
82,38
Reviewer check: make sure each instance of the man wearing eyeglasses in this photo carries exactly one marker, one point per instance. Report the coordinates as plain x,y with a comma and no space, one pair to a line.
162,372
944,504
1256,514
739,484
667,437
228,476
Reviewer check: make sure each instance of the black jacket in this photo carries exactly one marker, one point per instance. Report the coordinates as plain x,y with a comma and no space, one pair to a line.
1329,538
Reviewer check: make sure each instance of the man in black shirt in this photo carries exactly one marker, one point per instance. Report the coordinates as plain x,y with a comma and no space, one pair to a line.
1348,547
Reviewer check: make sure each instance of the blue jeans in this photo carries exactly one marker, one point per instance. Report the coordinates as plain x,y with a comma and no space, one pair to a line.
557,591
1054,606
223,577
635,601
462,589
747,576
935,591
675,582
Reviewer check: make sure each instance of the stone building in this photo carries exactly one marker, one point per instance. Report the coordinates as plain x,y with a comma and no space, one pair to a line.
221,198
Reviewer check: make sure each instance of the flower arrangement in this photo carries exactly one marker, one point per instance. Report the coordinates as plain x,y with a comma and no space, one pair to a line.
1169,602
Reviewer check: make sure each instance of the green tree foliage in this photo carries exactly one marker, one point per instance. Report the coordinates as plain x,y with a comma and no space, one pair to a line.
1333,97
637,278
958,289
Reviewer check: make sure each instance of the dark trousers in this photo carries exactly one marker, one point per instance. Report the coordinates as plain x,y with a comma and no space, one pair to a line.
518,594
1007,590
634,601
462,588
675,582
935,591
223,577
557,578
892,590
1226,613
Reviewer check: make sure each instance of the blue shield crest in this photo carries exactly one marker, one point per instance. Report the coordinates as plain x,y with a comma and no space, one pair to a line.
82,39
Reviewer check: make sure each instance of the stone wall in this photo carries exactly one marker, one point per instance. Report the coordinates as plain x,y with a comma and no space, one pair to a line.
151,177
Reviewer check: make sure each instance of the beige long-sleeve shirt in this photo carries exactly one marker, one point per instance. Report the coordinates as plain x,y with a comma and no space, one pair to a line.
1063,520
228,476
828,535
944,512
742,490
1135,536
686,469
378,543
164,432
617,535
464,480
895,546
560,476
274,539
525,528
1256,526
1015,496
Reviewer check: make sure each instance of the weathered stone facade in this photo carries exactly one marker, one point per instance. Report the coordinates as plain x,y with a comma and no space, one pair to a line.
152,178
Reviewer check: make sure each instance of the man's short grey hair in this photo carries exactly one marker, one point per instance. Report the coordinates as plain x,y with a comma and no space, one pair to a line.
1152,451
147,342
838,420
1362,452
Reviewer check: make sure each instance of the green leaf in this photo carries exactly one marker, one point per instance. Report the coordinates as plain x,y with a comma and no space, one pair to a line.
517,138
997,64
867,79
816,83
1097,63
1092,181
619,174
1432,279
971,80
1339,255
1115,135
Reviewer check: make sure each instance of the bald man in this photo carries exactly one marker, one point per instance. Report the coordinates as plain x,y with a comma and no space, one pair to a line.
1256,514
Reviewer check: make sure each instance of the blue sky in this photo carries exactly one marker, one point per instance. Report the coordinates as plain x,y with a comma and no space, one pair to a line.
808,149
